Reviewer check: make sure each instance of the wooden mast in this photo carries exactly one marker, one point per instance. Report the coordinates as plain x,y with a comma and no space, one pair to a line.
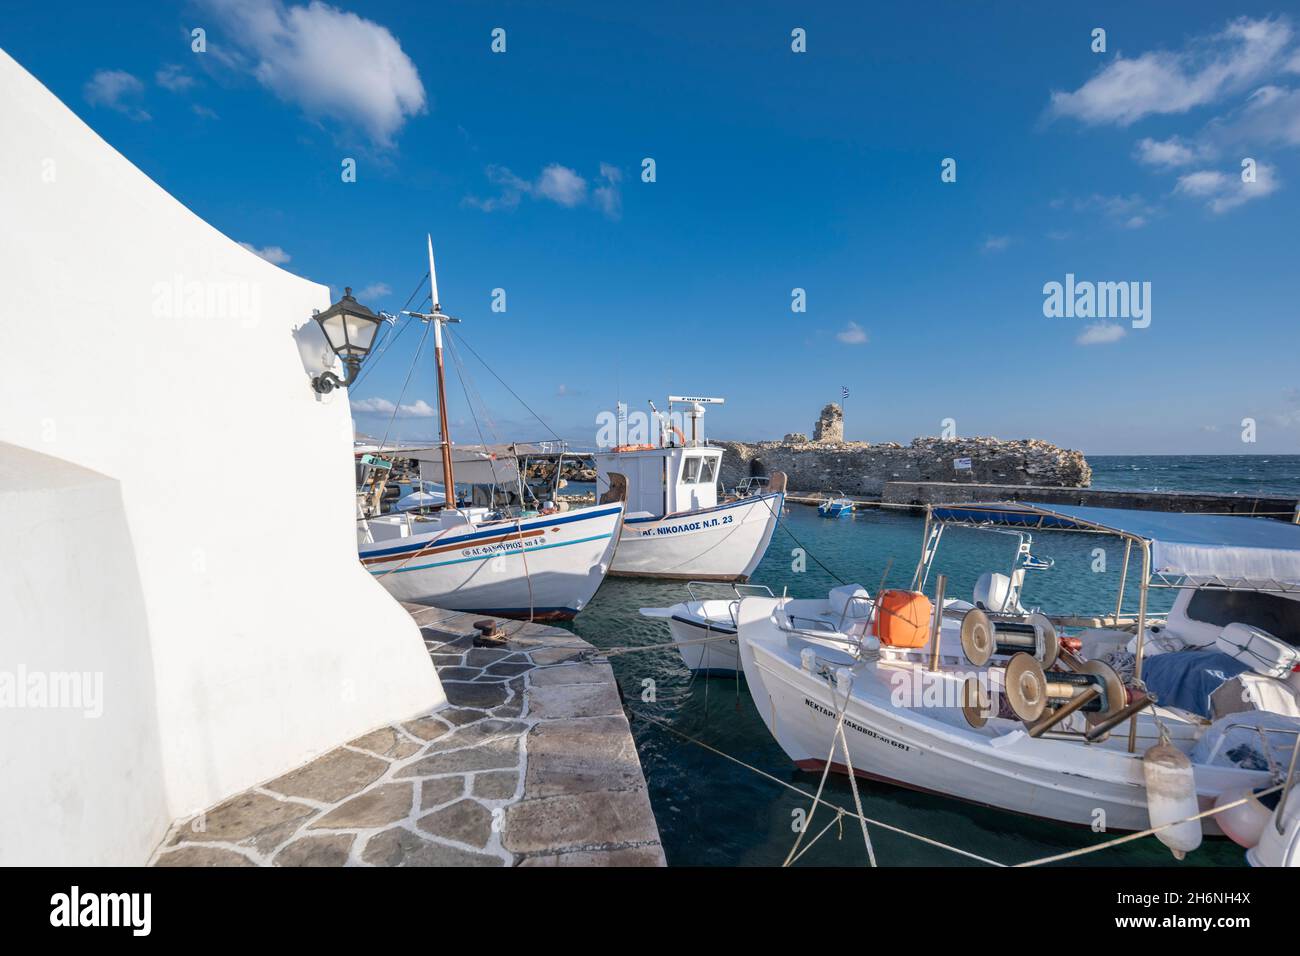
448,478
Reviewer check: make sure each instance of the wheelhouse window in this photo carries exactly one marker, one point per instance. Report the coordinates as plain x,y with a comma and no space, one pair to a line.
691,470
708,471
1278,615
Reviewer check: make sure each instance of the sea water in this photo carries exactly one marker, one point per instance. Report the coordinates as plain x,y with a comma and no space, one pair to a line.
712,810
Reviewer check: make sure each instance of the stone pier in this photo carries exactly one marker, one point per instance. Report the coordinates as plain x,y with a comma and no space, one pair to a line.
532,763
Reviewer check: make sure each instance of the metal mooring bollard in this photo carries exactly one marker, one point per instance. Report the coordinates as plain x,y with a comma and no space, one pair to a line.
488,633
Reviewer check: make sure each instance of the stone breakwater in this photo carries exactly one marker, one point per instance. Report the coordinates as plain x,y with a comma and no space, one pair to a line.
863,468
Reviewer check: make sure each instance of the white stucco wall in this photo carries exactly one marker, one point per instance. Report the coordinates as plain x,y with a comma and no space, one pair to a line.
146,346
80,769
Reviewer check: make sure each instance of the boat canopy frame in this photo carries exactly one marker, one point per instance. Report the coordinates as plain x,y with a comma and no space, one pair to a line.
1138,529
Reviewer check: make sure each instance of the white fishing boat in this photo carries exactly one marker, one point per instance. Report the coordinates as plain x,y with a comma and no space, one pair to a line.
526,565
676,526
1010,708
704,629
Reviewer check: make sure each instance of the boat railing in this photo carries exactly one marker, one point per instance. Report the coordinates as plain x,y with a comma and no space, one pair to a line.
754,590
1278,818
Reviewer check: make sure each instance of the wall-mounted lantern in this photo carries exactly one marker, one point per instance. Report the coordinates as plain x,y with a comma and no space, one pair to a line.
350,329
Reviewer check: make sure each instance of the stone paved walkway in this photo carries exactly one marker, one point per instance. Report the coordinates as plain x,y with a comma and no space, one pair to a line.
532,763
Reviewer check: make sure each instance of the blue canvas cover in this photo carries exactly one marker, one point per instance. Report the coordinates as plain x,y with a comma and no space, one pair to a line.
1186,679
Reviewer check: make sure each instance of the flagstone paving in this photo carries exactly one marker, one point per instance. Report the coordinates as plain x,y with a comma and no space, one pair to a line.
531,763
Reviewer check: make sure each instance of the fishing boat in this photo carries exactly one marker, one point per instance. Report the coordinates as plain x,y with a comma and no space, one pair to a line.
704,629
840,507
1115,722
676,527
534,566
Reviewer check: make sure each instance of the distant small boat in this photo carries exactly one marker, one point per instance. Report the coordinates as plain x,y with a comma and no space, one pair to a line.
840,507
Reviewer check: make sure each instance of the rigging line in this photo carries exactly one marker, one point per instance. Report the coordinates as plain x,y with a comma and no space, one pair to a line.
375,358
487,414
785,526
509,389
460,373
474,396
389,339
451,493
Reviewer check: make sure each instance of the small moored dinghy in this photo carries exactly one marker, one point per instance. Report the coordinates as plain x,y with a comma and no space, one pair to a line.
840,507
705,629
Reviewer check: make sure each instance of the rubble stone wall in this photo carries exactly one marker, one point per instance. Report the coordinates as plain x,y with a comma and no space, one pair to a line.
862,468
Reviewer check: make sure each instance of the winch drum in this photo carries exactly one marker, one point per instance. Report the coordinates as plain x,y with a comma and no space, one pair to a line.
983,635
1029,690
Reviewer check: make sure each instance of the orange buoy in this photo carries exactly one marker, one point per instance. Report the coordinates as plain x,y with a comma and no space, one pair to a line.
903,618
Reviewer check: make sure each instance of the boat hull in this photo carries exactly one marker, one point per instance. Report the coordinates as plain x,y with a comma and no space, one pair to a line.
544,568
927,749
717,652
724,543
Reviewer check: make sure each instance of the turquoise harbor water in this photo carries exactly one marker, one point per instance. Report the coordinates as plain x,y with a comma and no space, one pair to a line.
712,811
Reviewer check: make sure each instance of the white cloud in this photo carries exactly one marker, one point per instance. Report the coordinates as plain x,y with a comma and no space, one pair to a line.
608,197
853,334
328,62
995,243
373,406
172,77
1165,154
117,90
1131,212
382,406
1101,333
1170,82
272,254
1270,115
558,184
376,290
562,185
1223,191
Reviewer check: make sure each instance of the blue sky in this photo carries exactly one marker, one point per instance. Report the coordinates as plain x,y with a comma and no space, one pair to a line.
775,170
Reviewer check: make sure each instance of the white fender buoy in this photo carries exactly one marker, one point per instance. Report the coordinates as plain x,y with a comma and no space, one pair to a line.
1243,824
1171,795
1279,847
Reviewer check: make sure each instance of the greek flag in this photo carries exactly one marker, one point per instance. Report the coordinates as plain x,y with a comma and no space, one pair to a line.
844,392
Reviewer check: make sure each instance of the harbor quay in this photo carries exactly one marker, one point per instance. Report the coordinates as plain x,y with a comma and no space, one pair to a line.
530,763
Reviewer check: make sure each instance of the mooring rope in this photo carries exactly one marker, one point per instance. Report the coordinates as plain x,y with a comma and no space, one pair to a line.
838,734
799,790
1129,837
